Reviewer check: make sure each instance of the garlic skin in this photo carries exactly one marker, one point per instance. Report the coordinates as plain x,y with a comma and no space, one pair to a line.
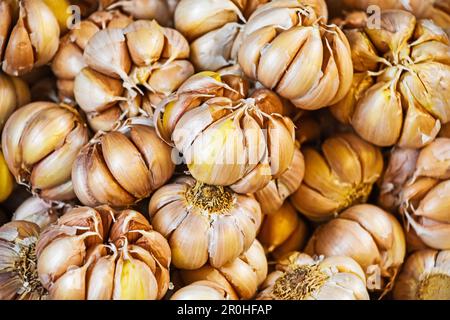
38,211
14,93
40,142
283,41
339,176
201,290
122,167
204,223
33,36
397,68
102,254
297,276
240,278
225,141
18,273
369,235
425,276
6,179
283,231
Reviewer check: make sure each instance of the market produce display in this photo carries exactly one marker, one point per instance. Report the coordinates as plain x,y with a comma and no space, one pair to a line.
224,150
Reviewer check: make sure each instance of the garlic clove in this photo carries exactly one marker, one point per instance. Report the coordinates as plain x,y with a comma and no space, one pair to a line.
281,137
364,54
201,290
241,277
436,204
313,204
256,259
296,241
434,160
170,218
176,46
71,285
157,245
105,120
431,51
6,12
100,279
255,180
167,77
165,195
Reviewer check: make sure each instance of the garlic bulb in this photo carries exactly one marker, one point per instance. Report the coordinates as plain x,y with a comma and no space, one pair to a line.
289,48
128,67
240,278
283,231
102,254
122,167
366,233
224,141
201,290
401,75
40,142
203,222
341,175
14,93
38,211
6,179
68,60
425,276
32,37
298,277
18,273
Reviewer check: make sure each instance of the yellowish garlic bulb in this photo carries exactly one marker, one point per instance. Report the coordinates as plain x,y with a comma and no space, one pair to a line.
39,211
203,222
6,179
283,231
368,234
240,278
201,290
398,72
40,141
102,254
122,167
341,175
14,93
297,276
32,34
18,273
425,276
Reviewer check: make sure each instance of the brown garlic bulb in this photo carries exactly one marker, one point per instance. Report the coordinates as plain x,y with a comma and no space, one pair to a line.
240,278
225,141
39,211
102,254
298,277
289,48
40,141
204,223
29,35
341,175
425,276
213,29
18,273
283,231
14,93
366,233
201,290
122,167
402,70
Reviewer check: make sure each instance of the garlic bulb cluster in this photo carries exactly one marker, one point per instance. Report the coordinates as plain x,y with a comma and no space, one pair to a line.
402,73
297,276
341,175
40,141
203,222
289,48
6,179
369,235
38,211
283,231
29,35
425,276
225,141
101,254
239,278
213,28
421,190
18,273
14,93
201,290
122,167
130,70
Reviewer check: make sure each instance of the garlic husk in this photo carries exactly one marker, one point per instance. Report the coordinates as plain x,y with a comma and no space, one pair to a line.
366,233
299,277
14,93
38,211
425,276
201,290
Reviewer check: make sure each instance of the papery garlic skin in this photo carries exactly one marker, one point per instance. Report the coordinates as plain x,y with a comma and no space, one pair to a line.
341,175
425,276
102,254
18,273
239,278
204,223
122,167
201,290
369,235
38,211
14,93
299,277
398,68
40,142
